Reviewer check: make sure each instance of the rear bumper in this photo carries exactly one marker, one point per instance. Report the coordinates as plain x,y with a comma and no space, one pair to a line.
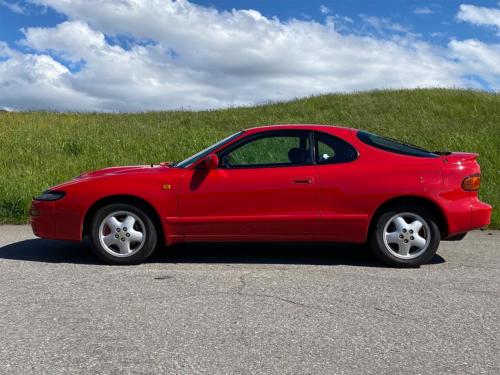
467,215
480,214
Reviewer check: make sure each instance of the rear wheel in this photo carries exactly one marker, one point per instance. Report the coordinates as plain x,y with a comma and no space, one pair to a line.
122,234
405,236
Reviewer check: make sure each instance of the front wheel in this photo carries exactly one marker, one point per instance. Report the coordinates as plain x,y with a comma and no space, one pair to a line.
405,237
122,234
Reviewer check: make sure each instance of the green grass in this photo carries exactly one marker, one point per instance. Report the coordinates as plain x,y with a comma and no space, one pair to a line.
40,149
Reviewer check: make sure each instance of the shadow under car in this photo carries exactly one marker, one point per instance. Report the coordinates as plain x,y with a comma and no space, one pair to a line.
40,250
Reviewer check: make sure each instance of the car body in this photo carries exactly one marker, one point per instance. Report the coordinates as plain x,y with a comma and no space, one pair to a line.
332,189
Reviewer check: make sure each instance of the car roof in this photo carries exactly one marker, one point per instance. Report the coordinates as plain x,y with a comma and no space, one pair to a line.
332,129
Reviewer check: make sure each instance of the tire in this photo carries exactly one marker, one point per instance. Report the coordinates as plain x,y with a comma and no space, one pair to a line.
405,236
123,234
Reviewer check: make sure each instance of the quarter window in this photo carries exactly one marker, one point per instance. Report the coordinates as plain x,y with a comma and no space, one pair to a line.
330,150
394,146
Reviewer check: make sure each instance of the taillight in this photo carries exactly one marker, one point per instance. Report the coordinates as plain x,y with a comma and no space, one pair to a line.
34,211
472,182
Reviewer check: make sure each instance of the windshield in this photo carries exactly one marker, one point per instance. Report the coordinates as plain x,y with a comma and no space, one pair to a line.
192,159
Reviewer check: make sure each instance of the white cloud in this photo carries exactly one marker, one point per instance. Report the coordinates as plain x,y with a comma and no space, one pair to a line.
181,55
13,7
479,58
383,24
423,10
480,16
29,81
23,7
73,40
324,9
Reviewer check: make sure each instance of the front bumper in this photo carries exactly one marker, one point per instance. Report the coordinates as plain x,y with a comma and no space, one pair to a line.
41,219
52,220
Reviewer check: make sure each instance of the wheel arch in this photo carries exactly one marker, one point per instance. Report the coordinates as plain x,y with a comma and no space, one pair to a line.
127,199
418,201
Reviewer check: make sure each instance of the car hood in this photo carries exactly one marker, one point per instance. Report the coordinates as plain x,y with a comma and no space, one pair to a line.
112,171
119,170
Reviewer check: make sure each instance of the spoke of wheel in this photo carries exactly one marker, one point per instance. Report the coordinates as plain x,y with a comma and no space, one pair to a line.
416,226
136,236
392,237
113,223
419,241
124,247
109,239
129,222
400,223
404,248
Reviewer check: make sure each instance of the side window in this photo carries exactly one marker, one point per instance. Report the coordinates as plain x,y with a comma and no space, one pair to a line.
330,150
270,150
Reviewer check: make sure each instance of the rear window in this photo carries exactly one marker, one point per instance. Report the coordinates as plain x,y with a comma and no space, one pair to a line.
391,145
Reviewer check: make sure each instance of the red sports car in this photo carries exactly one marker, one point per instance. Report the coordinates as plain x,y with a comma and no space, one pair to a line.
275,183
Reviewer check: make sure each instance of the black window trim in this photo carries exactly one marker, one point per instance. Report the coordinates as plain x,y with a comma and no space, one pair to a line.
265,134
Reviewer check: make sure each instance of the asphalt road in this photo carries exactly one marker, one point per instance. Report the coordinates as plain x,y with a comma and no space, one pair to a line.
248,309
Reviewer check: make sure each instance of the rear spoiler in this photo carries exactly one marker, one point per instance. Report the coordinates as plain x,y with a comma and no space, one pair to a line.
458,157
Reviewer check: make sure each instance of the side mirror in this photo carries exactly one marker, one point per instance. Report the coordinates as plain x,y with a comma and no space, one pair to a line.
211,161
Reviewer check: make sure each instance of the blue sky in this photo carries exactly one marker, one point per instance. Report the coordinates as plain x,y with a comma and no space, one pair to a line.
413,14
182,48
435,22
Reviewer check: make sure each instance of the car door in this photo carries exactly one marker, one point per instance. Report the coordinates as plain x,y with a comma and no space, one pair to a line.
343,215
265,188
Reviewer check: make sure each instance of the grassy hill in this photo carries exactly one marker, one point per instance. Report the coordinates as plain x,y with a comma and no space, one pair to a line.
40,149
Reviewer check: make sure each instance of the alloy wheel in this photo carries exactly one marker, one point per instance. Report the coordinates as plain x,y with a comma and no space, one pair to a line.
122,233
406,235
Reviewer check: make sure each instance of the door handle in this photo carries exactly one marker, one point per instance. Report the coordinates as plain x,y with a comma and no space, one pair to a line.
303,180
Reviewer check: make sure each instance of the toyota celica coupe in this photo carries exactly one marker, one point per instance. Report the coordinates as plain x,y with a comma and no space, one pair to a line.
305,183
